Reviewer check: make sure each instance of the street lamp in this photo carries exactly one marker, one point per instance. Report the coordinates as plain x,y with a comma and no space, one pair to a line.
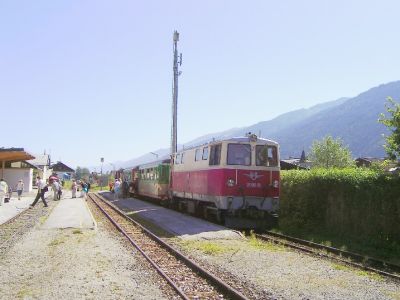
101,173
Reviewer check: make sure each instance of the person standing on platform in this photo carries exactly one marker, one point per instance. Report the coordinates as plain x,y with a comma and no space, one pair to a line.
84,189
74,187
3,191
117,185
56,187
20,188
42,189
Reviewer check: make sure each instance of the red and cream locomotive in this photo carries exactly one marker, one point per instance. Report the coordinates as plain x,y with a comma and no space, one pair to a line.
237,179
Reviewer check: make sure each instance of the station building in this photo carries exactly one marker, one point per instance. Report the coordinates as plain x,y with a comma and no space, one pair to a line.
14,166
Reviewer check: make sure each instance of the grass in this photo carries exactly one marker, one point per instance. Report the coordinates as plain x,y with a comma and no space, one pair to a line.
77,231
25,293
263,245
56,242
386,253
207,247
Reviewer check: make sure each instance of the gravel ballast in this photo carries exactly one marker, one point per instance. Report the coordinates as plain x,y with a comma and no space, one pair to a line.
76,264
282,273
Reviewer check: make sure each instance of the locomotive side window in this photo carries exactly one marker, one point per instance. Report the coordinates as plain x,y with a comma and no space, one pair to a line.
205,153
198,155
215,155
178,159
266,156
239,154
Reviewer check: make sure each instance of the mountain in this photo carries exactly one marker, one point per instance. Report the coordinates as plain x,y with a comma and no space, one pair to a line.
354,120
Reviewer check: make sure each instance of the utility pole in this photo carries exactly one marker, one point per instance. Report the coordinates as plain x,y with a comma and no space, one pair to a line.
174,130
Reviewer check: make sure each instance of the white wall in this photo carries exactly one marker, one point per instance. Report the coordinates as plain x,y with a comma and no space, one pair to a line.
13,175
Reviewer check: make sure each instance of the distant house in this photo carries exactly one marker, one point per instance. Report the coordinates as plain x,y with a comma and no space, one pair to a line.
62,170
42,162
295,164
367,161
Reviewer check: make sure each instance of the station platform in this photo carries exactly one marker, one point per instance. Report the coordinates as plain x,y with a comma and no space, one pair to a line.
70,213
14,206
175,223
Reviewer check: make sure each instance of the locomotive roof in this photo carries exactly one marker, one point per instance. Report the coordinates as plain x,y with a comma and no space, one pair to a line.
243,139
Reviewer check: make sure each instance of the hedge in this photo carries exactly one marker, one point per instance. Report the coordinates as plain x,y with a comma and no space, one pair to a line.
352,203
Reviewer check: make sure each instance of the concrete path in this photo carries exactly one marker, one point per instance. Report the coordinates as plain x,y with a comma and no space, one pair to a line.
15,206
176,223
70,213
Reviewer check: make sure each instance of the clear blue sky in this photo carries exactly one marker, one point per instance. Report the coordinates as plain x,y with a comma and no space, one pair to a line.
90,79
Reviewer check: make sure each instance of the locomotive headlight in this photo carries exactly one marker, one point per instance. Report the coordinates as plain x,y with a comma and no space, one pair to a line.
276,184
230,182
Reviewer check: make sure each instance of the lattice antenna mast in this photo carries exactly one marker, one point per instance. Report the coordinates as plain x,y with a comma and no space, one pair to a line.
177,63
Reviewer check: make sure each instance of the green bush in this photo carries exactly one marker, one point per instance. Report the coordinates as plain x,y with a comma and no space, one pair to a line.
353,203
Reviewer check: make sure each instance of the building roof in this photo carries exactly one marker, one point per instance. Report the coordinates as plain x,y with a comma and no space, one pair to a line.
41,160
14,154
61,167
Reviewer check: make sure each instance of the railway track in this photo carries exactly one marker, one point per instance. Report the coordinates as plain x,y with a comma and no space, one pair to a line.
19,225
356,260
188,279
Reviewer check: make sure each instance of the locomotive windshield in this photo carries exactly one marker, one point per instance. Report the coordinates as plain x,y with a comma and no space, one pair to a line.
239,154
266,156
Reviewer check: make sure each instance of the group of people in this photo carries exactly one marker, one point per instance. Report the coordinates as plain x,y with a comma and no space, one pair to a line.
85,187
57,189
6,190
43,186
119,187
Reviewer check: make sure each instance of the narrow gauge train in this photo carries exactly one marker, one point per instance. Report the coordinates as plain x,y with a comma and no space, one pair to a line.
236,180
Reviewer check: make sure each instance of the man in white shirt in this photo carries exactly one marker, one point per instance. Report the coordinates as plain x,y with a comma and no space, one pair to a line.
3,190
42,189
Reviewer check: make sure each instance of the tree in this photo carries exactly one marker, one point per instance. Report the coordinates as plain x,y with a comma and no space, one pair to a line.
82,173
330,153
392,122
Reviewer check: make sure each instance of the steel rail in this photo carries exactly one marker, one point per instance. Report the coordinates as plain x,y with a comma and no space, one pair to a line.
228,290
364,259
178,290
280,239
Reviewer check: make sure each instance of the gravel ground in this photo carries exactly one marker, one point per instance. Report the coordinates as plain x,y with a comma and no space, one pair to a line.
75,264
283,273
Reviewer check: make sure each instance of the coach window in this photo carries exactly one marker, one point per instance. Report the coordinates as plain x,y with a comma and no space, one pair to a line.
198,155
215,155
205,153
266,156
178,159
239,154
182,158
